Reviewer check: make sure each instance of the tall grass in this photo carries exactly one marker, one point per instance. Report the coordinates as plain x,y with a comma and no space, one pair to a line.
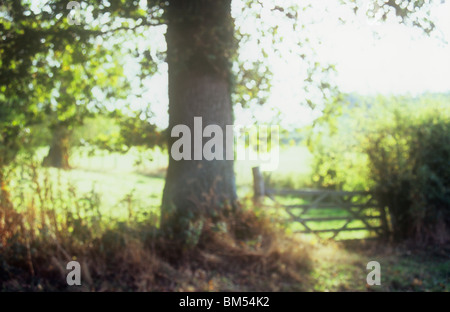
50,222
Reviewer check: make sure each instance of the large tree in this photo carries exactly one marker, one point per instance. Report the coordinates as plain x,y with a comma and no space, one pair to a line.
200,45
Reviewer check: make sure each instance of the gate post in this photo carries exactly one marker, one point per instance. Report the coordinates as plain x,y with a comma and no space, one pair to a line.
258,185
384,222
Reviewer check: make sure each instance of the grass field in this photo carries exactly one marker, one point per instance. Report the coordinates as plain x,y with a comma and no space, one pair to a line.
138,176
136,180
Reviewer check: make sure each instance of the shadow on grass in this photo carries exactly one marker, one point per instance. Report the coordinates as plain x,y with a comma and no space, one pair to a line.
159,173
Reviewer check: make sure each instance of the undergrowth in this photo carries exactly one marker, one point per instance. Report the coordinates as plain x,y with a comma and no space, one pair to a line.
43,229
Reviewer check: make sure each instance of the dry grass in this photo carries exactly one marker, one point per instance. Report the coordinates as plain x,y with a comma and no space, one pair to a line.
55,225
124,260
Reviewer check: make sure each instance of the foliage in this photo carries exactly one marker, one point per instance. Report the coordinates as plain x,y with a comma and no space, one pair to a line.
338,161
49,68
409,12
138,131
118,132
409,162
398,147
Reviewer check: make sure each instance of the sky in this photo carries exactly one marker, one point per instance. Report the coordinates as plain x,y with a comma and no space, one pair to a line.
370,57
401,60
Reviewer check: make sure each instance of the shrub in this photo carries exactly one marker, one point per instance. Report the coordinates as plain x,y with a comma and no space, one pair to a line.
398,147
409,161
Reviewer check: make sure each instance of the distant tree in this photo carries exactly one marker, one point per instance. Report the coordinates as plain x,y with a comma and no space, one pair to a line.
48,69
77,71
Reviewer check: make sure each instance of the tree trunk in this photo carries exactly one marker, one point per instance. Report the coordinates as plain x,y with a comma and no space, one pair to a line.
58,155
199,44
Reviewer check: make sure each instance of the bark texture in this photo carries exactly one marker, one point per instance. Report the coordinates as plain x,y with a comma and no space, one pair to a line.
199,44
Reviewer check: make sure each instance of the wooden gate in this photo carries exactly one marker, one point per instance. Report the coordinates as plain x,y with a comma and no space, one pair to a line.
356,204
359,206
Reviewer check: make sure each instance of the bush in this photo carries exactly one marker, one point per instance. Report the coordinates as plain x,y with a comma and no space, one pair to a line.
398,147
409,161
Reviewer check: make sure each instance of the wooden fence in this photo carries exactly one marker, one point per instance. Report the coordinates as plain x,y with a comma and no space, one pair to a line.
359,206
